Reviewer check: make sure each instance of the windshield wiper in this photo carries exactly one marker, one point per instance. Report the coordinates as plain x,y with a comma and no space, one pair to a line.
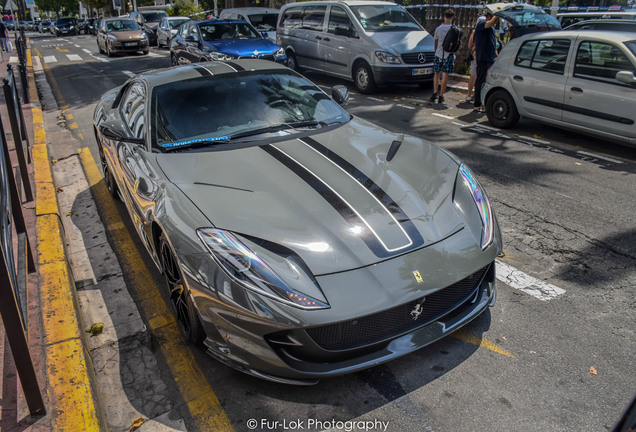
203,142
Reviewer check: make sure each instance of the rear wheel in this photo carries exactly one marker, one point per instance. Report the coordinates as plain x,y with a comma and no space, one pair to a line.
292,63
109,53
109,179
363,78
501,110
99,47
173,59
180,300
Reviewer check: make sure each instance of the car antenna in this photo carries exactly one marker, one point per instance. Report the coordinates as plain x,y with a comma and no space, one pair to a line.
395,146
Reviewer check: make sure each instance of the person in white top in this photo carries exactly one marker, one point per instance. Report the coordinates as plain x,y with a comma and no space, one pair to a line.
444,62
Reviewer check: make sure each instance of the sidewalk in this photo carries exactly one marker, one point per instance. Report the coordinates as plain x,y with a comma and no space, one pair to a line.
54,331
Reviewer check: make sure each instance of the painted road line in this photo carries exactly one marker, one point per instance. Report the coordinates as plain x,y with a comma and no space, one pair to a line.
406,106
154,54
204,406
470,337
523,282
443,116
129,73
376,99
61,103
533,139
73,57
87,51
605,158
50,59
76,46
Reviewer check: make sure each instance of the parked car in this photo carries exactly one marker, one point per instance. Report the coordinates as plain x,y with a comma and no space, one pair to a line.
569,18
44,26
201,41
121,35
581,80
65,26
524,18
10,25
369,42
87,25
263,19
604,24
168,28
296,241
148,20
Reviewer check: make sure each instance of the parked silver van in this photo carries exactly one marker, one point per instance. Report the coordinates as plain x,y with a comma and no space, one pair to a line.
369,42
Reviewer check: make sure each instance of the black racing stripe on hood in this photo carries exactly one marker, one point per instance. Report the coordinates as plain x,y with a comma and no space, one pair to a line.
372,187
331,197
235,66
202,71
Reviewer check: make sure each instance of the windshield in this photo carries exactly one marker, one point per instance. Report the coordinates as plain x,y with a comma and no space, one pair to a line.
65,21
631,45
122,25
174,23
375,18
530,18
211,32
265,22
216,108
154,16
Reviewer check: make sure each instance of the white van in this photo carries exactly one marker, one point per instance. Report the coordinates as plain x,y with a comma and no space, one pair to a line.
569,18
369,42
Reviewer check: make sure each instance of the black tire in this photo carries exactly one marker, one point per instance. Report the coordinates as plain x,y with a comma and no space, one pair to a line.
109,179
144,52
292,63
363,78
173,59
501,110
99,47
180,300
109,53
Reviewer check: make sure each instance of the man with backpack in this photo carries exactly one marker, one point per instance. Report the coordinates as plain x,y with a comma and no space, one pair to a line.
447,39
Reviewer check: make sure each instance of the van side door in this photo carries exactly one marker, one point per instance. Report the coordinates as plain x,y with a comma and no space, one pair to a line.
340,42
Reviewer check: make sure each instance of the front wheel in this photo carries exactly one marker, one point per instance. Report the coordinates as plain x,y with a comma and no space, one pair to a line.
501,110
363,78
180,300
173,59
292,63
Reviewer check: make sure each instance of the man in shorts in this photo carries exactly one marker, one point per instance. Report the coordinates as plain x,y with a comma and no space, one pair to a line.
444,62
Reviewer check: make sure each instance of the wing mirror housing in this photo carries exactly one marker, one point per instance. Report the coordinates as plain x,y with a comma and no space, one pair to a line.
340,94
626,77
114,131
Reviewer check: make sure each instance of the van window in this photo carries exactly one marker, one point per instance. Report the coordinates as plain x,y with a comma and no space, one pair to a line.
339,22
292,18
314,17
390,17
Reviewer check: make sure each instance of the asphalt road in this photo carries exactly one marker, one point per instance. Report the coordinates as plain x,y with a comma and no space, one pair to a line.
565,203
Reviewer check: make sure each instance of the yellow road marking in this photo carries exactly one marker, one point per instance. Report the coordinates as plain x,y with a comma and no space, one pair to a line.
70,383
61,50
200,399
467,336
54,87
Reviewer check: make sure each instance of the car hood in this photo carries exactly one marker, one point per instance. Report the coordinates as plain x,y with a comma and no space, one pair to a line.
127,35
401,42
243,47
332,197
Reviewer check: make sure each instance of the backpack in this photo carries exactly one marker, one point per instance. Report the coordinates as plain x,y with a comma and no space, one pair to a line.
453,39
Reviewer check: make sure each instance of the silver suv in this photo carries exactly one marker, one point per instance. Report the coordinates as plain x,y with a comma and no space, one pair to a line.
368,42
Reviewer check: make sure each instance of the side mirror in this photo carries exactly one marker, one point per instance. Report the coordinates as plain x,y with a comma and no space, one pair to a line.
190,38
264,34
113,130
340,94
626,77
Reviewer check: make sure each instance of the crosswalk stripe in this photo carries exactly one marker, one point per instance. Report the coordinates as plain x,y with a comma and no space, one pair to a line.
50,59
73,57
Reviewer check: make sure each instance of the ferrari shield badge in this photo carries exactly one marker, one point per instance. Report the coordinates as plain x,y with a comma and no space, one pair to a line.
418,276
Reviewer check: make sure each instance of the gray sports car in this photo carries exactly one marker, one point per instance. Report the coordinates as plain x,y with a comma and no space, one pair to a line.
296,240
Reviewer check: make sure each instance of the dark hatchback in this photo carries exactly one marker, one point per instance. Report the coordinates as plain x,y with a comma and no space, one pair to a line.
65,26
200,41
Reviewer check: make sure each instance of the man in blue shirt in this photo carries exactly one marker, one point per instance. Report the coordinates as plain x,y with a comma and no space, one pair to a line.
485,53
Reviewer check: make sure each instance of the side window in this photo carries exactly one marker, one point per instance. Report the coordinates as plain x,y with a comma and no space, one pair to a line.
546,55
194,31
292,18
601,62
339,23
313,17
184,31
133,109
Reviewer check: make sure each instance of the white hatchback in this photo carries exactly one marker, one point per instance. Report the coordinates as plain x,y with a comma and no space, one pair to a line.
580,80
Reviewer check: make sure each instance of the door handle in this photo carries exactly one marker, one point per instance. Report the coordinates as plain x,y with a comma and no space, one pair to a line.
318,37
327,39
517,78
577,89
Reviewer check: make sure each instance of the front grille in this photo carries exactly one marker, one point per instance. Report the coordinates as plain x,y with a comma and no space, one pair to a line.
399,320
414,58
260,56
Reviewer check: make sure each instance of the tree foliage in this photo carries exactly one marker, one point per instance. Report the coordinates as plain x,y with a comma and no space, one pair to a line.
60,7
185,8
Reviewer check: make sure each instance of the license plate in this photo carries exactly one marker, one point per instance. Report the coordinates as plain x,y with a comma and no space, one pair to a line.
130,44
422,71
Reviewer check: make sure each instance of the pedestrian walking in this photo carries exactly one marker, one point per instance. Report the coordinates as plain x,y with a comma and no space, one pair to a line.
444,62
4,35
472,62
485,53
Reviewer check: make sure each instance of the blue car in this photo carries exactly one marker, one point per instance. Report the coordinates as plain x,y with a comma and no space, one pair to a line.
201,41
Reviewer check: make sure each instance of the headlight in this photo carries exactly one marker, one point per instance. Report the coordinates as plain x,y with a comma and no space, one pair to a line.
112,38
144,36
387,57
280,53
71,28
271,280
483,205
220,56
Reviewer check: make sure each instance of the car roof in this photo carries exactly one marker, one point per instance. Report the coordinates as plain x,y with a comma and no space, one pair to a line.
251,9
347,2
606,35
219,21
119,18
159,77
499,7
612,22
177,17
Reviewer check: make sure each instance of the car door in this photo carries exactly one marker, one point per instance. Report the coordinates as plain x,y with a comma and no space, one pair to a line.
339,42
102,35
593,97
137,181
538,78
193,44
179,48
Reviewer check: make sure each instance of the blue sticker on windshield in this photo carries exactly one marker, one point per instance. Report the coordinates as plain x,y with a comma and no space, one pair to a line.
183,143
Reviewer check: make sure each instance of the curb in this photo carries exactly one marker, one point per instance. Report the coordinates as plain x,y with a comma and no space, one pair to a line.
72,393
